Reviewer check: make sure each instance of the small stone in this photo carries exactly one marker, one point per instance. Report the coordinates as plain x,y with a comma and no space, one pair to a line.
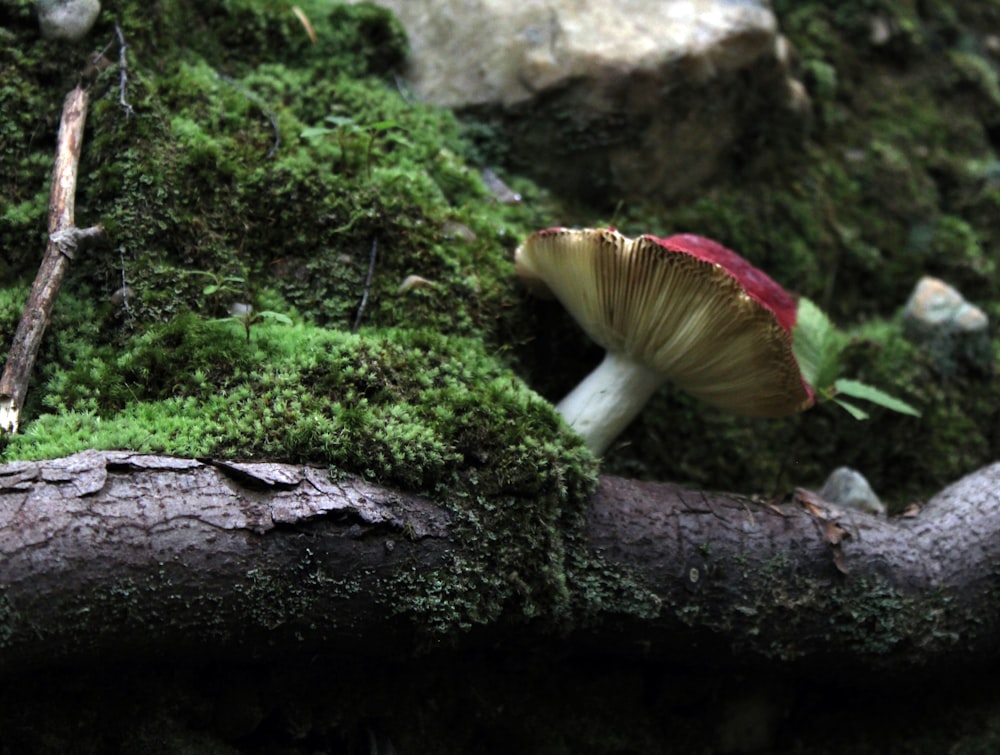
954,332
67,19
240,309
503,193
881,31
121,297
848,488
452,229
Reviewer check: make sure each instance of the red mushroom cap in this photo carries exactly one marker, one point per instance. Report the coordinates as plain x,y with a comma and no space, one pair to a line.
758,284
684,306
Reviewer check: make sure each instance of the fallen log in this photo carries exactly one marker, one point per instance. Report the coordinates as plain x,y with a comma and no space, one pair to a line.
129,557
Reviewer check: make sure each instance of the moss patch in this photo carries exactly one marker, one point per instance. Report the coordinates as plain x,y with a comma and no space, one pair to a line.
262,169
407,408
257,168
261,159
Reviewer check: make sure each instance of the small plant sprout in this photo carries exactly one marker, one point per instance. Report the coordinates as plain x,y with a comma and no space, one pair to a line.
247,316
347,132
818,346
219,284
683,309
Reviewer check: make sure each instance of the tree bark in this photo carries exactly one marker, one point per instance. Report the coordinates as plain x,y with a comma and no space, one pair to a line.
837,591
120,555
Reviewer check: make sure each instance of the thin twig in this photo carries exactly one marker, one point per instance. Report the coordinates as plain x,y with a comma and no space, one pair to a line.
64,237
121,255
368,286
403,88
123,73
126,290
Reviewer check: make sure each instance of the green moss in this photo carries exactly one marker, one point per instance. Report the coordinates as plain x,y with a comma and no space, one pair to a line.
215,172
214,178
407,404
407,408
260,168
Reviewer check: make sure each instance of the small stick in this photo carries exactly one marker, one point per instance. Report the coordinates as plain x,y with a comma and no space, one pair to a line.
368,286
64,238
122,72
306,23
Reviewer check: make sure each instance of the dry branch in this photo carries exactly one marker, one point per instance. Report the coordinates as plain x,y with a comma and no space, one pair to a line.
122,555
64,237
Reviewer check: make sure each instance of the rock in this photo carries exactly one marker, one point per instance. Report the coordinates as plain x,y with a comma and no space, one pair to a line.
954,332
848,488
70,20
612,98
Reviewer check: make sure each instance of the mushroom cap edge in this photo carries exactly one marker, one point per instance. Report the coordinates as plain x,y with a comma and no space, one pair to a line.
686,306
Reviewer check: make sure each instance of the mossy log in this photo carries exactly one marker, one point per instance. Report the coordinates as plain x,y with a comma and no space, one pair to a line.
121,556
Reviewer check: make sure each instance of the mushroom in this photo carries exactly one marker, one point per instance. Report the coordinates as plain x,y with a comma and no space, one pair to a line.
683,309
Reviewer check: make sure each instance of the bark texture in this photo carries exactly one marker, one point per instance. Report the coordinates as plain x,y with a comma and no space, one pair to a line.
144,557
112,554
806,581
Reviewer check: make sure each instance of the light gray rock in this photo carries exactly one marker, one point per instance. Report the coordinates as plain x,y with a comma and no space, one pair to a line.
848,488
67,19
954,332
607,98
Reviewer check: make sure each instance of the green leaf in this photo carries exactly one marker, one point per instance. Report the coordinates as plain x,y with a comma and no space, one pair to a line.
210,289
338,121
267,314
816,344
314,132
855,411
857,389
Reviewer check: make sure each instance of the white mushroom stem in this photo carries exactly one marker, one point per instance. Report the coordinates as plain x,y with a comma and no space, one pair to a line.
608,399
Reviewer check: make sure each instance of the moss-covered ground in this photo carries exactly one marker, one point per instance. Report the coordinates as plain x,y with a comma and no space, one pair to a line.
259,168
